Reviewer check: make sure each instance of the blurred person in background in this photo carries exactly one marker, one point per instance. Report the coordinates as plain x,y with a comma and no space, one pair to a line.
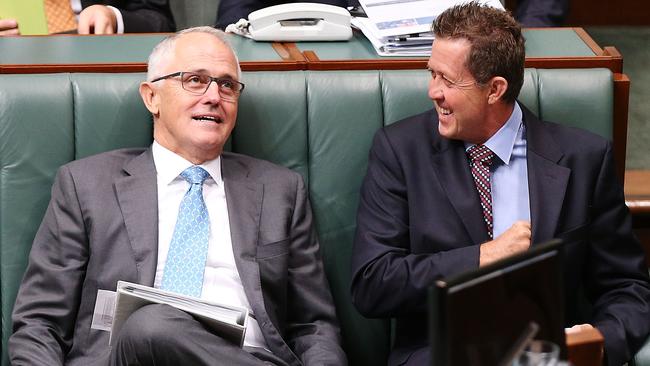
107,17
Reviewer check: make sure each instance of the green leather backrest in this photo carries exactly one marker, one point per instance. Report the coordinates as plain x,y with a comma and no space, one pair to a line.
320,124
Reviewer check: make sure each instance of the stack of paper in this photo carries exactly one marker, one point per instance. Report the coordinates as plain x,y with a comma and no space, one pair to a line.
227,321
403,27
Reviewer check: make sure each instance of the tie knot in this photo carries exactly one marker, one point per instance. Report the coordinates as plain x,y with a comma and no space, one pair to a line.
195,174
480,154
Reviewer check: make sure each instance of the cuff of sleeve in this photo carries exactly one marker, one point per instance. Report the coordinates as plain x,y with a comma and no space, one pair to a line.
120,20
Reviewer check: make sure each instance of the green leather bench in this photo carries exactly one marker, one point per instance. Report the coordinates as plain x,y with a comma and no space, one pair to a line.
318,123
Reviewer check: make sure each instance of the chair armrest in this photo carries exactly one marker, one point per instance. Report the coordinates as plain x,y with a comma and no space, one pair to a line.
585,348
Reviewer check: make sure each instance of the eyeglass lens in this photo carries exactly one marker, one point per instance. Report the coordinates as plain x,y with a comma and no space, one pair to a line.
199,84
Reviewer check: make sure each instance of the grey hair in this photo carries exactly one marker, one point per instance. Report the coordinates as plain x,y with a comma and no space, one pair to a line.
163,50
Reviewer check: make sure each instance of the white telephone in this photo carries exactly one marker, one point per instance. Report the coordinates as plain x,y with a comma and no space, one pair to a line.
300,22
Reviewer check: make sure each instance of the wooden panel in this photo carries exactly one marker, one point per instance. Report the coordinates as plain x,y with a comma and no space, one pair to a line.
637,191
637,198
619,135
607,12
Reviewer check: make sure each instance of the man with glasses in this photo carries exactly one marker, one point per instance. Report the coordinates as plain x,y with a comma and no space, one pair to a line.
479,178
183,216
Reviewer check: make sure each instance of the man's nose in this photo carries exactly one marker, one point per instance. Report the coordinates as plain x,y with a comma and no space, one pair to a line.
212,93
435,89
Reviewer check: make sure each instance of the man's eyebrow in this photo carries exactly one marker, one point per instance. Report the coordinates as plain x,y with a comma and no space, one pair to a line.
204,71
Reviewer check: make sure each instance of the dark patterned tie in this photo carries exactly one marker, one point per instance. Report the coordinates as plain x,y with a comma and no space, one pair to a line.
480,157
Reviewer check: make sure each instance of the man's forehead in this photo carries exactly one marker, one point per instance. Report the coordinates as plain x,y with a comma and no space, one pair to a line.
202,42
202,51
450,54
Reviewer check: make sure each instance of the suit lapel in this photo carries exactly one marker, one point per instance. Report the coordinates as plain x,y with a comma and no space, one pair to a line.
137,195
244,200
547,180
453,172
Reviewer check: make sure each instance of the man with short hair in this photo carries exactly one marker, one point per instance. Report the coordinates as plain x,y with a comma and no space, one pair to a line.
479,178
136,214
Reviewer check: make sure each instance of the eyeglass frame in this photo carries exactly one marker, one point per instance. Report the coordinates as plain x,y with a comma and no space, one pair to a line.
212,79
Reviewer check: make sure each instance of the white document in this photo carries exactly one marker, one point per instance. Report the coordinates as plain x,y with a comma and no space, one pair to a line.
227,321
403,27
103,312
416,46
395,17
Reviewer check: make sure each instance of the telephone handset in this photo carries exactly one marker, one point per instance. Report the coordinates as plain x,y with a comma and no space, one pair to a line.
300,22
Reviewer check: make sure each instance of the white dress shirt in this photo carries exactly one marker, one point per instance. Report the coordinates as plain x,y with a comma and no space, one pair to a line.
509,173
221,281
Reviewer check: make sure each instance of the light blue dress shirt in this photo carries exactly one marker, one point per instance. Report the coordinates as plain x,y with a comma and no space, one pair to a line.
509,173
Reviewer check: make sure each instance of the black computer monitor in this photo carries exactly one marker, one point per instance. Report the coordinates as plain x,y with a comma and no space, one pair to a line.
486,316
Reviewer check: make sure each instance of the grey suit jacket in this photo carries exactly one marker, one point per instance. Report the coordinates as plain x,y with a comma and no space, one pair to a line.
101,226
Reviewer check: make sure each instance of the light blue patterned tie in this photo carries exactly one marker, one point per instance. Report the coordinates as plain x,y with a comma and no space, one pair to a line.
188,250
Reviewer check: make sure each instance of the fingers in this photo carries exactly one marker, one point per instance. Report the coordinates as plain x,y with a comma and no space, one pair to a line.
522,226
84,24
97,19
514,240
103,26
9,27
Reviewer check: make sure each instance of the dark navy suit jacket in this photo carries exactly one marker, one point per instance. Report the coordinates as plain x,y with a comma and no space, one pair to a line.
141,15
420,219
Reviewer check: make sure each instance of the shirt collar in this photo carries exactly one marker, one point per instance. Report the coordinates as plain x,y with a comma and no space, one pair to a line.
503,141
170,165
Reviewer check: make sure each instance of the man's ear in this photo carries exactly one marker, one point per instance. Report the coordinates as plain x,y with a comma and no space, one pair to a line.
497,88
150,97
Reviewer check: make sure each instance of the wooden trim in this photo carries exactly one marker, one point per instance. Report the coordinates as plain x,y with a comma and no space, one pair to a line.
586,38
621,102
272,65
607,62
376,64
615,64
311,57
295,53
138,67
282,51
585,348
637,192
638,205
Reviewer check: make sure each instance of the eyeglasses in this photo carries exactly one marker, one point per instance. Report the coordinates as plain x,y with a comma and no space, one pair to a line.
198,84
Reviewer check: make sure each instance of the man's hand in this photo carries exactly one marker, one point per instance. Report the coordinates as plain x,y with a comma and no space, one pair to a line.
9,27
97,19
514,240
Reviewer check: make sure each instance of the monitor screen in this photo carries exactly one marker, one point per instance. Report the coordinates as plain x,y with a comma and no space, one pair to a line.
486,316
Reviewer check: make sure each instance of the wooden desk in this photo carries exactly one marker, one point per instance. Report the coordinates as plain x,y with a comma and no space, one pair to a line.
545,48
120,53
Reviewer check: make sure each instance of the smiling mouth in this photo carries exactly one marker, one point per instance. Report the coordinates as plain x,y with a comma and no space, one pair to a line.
443,111
208,119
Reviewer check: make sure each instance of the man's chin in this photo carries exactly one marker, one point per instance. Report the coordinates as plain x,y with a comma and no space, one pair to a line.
445,130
